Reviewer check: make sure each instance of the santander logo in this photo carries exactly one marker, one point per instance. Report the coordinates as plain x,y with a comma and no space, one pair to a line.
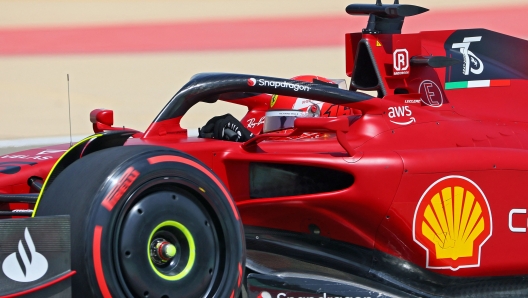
251,82
33,266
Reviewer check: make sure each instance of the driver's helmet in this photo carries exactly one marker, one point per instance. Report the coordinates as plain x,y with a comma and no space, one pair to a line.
284,109
313,107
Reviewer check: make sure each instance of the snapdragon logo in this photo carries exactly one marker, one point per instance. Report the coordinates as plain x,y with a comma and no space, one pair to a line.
275,84
23,267
265,294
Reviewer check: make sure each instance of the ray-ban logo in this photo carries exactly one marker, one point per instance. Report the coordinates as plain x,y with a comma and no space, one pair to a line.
27,264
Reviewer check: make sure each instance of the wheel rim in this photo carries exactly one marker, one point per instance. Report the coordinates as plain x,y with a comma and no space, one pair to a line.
157,253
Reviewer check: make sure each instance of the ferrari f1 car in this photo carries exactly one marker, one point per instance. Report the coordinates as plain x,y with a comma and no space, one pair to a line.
318,191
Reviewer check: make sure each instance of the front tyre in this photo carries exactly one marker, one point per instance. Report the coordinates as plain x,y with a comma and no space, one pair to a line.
148,222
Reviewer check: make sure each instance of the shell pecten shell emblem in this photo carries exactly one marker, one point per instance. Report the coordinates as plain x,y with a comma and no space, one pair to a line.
452,221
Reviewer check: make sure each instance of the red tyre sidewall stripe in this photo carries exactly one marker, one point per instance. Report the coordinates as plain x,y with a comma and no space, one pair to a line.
239,274
98,265
172,158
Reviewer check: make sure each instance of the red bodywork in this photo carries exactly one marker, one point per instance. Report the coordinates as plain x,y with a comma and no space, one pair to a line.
439,173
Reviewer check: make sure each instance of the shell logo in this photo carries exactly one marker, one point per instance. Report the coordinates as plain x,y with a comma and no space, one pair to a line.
264,295
452,222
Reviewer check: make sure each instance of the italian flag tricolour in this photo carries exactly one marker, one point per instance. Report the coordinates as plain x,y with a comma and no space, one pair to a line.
476,84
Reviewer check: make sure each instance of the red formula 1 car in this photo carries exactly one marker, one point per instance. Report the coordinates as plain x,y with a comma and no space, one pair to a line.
318,191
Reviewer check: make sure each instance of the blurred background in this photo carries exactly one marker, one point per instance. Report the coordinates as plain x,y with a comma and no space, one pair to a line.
133,56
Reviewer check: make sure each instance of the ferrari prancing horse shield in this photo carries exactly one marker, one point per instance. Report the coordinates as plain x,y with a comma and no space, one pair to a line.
452,221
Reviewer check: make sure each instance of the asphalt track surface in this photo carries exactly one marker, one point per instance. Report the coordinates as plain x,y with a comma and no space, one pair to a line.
132,56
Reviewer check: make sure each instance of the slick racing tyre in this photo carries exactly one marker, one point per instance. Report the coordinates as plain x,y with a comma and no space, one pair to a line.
148,222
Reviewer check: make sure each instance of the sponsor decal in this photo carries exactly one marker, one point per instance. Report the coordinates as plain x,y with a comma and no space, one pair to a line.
252,122
27,264
413,101
264,294
275,84
400,61
411,120
516,228
120,188
23,156
399,112
452,222
430,94
484,55
471,62
51,151
273,100
378,44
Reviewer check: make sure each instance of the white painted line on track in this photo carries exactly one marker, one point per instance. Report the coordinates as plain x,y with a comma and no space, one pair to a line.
39,141
28,142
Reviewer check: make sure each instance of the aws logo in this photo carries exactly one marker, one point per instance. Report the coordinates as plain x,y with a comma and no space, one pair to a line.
398,112
452,222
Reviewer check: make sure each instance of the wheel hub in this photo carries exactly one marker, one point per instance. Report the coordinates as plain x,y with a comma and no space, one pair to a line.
162,251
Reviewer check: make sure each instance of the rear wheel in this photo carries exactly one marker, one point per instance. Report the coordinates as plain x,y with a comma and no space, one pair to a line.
148,222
